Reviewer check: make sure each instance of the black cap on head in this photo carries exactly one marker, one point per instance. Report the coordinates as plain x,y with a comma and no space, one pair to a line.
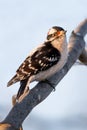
58,28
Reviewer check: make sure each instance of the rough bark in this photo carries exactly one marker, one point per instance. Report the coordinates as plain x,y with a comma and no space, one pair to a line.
76,50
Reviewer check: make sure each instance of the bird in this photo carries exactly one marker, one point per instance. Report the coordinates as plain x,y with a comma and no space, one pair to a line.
42,62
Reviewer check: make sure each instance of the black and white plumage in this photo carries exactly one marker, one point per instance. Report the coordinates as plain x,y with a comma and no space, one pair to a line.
44,61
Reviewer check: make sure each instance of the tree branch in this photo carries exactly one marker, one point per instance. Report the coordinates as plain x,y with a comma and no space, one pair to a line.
76,50
83,56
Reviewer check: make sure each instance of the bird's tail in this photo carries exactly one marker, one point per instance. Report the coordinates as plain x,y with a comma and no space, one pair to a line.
13,80
23,88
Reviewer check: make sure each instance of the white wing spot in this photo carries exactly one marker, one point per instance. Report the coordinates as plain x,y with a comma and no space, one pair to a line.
42,64
29,65
40,61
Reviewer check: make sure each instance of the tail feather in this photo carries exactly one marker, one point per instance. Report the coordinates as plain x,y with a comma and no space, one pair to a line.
23,85
22,88
13,80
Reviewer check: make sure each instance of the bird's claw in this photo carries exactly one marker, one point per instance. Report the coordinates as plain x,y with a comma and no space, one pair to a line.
48,82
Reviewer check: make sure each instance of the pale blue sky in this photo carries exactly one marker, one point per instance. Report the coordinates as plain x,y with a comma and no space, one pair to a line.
23,25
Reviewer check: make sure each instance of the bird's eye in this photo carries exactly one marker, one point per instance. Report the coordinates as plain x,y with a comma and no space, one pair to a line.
54,34
49,36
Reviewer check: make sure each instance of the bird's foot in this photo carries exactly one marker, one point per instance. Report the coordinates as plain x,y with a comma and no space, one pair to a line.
48,82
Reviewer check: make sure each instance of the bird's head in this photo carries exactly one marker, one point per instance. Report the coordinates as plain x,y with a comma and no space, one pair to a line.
55,32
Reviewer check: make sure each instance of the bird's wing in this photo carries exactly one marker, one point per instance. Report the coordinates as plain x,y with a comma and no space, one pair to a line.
42,59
